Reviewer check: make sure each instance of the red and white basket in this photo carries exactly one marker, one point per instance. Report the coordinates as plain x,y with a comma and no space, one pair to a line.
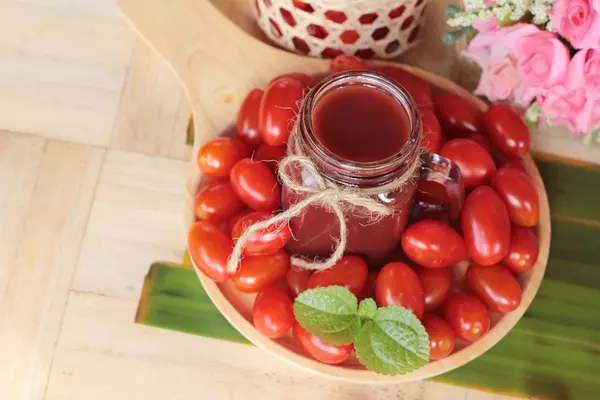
327,28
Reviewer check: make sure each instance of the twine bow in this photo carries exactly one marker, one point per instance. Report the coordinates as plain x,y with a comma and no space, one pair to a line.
327,194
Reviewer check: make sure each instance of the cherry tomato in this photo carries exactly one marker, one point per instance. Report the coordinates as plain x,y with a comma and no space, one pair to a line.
257,272
247,120
436,284
519,194
515,163
228,228
467,315
486,226
524,250
346,63
369,288
307,80
255,185
264,241
496,286
270,155
350,272
418,88
457,115
217,202
475,163
217,157
432,131
273,312
507,130
441,337
433,244
296,280
210,249
319,350
397,284
480,140
278,108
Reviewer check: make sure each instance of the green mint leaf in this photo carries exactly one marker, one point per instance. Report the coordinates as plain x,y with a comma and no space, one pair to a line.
330,313
394,342
367,309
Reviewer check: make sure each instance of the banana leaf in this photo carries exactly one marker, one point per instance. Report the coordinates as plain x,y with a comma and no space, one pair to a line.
553,352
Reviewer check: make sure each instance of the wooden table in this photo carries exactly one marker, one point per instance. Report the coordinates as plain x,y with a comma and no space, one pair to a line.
92,164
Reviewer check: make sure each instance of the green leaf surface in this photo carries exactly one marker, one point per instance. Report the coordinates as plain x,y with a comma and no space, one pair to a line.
393,343
330,313
367,309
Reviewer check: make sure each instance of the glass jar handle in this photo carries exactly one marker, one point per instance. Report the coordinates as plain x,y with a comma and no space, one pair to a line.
442,171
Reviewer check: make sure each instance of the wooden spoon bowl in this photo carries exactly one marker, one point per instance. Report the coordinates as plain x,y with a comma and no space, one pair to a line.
218,64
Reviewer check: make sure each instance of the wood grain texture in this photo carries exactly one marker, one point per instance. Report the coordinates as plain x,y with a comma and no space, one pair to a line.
39,275
136,219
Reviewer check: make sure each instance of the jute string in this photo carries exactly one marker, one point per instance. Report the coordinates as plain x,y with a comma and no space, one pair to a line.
327,194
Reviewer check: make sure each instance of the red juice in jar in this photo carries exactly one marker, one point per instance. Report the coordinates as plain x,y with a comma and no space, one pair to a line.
362,131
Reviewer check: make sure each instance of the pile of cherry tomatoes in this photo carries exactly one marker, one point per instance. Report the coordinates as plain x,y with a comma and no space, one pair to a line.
493,233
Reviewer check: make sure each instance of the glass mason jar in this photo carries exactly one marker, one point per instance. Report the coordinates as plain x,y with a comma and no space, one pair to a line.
316,230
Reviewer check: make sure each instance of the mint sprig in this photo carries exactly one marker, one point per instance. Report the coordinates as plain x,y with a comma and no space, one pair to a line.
389,340
331,311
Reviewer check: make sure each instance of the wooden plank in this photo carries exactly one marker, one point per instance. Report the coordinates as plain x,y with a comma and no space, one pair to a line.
63,71
39,275
136,218
154,112
102,355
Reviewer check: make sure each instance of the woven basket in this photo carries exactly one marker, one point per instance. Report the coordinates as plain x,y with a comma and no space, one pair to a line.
327,28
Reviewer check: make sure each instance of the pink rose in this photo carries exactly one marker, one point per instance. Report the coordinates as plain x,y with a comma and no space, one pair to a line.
542,62
578,21
500,79
584,71
488,25
572,107
494,51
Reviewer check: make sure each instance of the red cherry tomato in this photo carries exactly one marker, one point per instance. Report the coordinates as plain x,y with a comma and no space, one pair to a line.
432,131
441,337
217,157
496,286
475,163
507,130
397,284
307,80
457,115
468,316
247,120
273,312
264,241
480,140
350,272
436,284
433,244
257,272
515,163
319,350
278,108
486,226
519,194
255,185
346,63
210,249
524,250
418,88
270,155
217,202
296,280
369,288
228,228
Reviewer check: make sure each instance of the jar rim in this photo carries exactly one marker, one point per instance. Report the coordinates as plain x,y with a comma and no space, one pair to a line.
350,170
